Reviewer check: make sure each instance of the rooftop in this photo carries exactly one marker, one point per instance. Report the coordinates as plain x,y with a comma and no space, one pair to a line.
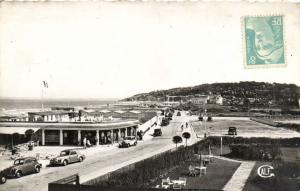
115,124
52,112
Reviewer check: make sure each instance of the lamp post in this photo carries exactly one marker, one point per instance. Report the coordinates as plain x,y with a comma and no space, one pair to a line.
205,119
221,150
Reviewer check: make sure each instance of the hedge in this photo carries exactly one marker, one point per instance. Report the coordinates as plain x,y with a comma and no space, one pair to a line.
145,171
255,151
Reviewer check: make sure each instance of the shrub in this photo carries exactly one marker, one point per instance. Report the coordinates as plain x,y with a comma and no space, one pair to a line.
254,151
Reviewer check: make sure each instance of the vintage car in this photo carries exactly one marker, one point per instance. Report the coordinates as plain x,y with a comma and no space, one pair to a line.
67,156
232,131
164,122
157,132
22,166
128,141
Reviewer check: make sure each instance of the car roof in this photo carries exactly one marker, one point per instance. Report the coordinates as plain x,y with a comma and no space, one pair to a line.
68,150
25,158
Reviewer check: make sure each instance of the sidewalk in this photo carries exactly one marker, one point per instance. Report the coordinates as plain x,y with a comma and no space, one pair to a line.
239,178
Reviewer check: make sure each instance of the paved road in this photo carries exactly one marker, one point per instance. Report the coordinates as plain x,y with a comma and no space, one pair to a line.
100,163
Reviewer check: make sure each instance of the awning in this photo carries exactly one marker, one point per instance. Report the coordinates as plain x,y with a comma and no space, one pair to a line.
19,130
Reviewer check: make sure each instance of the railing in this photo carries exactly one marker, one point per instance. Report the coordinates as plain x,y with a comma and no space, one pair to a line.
70,183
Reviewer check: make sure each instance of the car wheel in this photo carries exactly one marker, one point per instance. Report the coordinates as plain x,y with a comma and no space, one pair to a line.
80,159
135,143
65,163
37,169
18,174
128,145
2,179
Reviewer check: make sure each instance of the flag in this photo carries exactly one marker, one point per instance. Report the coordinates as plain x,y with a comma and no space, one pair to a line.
45,84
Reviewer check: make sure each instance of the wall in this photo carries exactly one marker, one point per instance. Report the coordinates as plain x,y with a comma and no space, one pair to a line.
149,123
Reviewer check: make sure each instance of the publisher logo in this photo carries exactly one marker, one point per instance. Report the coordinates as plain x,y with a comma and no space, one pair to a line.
265,171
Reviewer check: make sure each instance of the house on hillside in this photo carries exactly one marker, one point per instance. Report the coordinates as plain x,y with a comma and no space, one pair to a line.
199,99
216,99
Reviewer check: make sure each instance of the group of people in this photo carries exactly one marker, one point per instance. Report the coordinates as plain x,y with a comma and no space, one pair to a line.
86,142
186,126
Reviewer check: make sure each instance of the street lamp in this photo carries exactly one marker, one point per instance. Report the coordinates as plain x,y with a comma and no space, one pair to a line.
205,119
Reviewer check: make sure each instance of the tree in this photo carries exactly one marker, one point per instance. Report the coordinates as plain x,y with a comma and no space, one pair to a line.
186,135
177,139
29,134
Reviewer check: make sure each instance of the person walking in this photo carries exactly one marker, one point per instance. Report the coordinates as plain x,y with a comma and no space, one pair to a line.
84,142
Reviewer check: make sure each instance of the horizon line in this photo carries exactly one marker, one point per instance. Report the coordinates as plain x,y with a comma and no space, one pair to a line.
57,98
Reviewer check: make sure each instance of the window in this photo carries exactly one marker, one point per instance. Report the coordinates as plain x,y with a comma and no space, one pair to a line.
64,153
73,153
19,162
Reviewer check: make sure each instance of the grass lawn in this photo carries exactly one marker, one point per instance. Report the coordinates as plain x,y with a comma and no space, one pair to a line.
290,154
251,184
218,174
287,174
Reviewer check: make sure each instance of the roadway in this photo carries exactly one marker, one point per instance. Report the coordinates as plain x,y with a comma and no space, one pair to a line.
100,163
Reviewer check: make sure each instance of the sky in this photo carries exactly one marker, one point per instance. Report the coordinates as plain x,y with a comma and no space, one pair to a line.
116,50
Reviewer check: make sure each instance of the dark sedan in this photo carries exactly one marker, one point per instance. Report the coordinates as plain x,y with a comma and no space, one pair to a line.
21,166
232,131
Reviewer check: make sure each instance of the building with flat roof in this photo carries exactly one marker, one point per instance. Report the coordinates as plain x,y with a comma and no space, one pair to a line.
68,125
49,133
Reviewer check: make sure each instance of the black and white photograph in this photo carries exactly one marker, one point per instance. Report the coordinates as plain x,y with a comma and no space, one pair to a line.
149,95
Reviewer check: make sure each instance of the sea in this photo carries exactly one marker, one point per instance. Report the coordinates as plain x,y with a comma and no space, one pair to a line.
35,104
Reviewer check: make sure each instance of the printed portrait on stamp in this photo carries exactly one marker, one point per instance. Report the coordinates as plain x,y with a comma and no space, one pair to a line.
264,41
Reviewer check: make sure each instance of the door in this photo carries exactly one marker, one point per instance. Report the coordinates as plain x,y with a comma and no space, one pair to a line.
73,156
26,166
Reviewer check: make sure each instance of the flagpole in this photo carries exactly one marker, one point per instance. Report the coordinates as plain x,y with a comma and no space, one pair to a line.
43,97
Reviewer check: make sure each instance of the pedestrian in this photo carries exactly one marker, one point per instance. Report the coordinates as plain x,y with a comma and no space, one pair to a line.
88,143
84,142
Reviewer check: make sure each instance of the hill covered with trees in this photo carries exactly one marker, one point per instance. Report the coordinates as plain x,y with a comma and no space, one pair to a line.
234,93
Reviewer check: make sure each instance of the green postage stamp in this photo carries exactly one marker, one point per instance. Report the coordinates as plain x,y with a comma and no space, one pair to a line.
264,41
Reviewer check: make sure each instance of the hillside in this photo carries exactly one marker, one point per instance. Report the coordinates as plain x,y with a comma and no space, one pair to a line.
263,93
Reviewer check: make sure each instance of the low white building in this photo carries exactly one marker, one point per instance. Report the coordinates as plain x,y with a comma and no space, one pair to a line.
53,116
219,100
199,99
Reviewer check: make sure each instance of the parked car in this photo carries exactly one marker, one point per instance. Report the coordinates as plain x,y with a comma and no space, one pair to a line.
200,118
67,156
178,113
2,177
169,116
209,118
21,166
164,122
128,141
157,132
232,131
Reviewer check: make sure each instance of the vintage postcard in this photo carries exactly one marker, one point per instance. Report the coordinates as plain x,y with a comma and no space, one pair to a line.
149,95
